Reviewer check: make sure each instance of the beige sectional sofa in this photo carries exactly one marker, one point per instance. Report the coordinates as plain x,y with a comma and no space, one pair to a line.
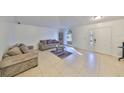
13,65
47,44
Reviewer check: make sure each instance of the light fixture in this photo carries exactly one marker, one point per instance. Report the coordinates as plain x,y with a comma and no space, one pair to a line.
19,22
97,17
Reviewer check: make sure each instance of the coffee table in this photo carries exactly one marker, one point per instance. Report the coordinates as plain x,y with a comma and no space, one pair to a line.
59,50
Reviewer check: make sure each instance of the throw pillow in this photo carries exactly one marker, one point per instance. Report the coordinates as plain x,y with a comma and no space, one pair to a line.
16,45
14,51
24,48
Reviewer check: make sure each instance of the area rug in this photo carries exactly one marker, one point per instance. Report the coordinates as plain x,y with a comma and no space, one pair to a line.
62,55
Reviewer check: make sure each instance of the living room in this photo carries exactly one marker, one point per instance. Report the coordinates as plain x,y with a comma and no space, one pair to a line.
51,46
76,46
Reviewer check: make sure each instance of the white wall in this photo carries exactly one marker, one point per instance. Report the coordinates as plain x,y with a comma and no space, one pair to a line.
30,35
80,35
3,39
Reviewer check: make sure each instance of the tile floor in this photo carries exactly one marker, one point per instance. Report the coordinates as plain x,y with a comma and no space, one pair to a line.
80,64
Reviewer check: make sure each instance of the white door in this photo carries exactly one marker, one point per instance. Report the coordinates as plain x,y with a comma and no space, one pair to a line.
102,40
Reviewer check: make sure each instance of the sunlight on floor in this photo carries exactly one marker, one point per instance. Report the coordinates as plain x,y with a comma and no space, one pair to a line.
91,60
71,49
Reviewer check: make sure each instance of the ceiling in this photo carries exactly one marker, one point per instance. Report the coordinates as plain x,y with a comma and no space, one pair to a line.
57,21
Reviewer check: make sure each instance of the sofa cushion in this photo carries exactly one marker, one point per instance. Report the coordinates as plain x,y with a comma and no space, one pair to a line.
14,51
24,48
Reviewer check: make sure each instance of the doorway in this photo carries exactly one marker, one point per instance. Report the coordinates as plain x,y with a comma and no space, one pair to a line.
69,37
100,40
61,38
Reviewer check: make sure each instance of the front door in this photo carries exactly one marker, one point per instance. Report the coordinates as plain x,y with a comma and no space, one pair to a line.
100,39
